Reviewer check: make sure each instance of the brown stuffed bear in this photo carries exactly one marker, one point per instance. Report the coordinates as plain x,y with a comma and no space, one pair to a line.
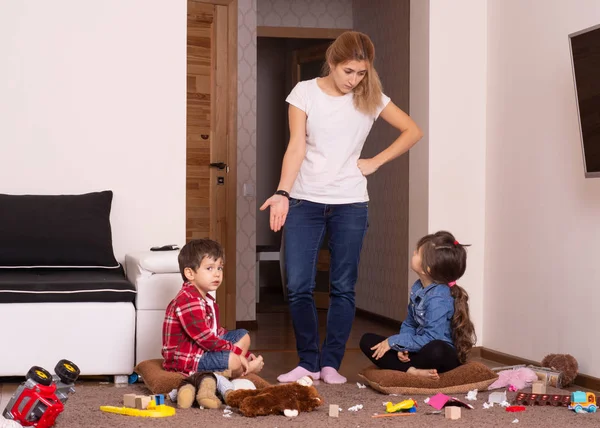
287,399
564,363
201,386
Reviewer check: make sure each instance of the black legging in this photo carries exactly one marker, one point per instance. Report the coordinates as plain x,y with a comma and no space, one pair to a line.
437,354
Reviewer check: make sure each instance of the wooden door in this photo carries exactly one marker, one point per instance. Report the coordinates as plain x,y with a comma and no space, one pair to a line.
211,135
307,63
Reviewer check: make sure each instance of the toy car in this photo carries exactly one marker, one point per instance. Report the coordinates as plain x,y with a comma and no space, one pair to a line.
583,402
40,399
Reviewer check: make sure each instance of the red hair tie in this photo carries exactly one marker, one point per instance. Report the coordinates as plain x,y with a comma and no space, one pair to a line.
455,242
451,284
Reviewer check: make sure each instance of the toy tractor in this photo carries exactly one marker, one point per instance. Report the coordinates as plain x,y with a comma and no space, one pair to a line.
41,398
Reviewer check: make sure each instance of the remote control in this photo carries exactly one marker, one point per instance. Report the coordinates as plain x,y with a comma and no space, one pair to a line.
165,248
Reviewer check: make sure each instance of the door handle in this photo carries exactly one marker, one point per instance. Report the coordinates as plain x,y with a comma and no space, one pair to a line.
220,165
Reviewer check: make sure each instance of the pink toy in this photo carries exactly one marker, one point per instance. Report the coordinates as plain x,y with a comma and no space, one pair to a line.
439,401
514,379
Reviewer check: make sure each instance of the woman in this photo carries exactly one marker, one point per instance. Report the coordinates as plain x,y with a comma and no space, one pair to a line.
323,189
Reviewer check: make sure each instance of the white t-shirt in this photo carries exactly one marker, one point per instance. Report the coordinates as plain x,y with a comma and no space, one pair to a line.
335,134
210,303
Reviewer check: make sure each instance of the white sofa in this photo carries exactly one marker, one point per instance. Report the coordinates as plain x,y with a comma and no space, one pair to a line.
156,277
97,336
62,292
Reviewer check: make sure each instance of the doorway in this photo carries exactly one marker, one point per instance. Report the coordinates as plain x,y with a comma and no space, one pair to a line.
211,137
282,61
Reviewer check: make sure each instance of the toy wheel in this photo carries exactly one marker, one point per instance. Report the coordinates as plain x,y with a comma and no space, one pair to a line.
592,409
578,408
39,375
67,371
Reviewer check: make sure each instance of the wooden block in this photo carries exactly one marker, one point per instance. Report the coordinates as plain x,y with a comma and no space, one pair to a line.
452,412
129,400
538,387
141,402
334,410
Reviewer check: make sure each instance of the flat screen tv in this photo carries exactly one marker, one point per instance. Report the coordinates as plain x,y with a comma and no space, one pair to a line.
585,59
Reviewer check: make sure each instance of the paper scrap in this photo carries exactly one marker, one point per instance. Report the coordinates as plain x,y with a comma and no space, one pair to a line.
471,395
355,408
497,397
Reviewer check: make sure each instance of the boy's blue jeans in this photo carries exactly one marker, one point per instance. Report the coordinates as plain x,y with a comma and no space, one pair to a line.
305,228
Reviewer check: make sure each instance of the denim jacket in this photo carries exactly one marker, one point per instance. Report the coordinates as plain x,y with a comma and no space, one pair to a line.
429,317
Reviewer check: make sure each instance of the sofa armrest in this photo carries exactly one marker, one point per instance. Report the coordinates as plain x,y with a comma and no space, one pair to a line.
143,264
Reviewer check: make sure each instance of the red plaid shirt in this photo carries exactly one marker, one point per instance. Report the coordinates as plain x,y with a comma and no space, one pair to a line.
187,331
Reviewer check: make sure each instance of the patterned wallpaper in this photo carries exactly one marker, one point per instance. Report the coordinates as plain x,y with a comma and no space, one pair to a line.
246,161
382,284
305,13
292,13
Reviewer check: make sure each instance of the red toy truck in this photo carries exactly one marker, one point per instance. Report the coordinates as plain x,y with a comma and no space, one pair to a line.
40,399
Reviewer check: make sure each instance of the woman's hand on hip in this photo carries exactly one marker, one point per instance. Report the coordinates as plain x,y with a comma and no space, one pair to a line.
279,209
367,166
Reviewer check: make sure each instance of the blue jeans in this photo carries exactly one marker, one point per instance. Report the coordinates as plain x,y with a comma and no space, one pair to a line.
305,228
219,361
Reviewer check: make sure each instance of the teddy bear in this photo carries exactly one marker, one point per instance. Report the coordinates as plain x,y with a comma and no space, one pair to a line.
564,363
287,399
252,395
200,387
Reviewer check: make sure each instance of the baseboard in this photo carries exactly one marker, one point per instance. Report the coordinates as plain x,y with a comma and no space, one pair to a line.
388,322
247,325
475,352
585,381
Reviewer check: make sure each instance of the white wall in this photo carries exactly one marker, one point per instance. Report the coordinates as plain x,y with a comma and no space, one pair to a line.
457,132
543,217
93,98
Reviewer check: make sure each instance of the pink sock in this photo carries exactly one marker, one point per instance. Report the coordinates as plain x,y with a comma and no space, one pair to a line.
331,375
296,374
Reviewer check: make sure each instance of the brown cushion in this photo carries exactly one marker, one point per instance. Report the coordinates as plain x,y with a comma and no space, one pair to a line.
157,379
469,376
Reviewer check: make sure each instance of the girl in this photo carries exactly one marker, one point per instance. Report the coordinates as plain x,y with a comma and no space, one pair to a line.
437,334
323,189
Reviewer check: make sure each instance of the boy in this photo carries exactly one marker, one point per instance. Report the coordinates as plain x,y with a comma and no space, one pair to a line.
193,341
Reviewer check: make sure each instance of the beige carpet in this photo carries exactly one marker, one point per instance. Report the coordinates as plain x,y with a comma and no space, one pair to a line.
83,410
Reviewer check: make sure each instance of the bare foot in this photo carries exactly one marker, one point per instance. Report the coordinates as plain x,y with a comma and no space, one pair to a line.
428,373
256,365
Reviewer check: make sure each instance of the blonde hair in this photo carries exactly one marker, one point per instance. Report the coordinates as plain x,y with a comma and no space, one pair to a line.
356,46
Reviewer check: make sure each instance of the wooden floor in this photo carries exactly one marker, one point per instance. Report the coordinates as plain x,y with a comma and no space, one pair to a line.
275,341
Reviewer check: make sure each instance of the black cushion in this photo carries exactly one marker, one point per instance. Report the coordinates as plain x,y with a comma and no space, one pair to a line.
56,230
65,285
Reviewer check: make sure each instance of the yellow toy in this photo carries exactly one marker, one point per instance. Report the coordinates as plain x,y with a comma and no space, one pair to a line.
409,405
153,411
